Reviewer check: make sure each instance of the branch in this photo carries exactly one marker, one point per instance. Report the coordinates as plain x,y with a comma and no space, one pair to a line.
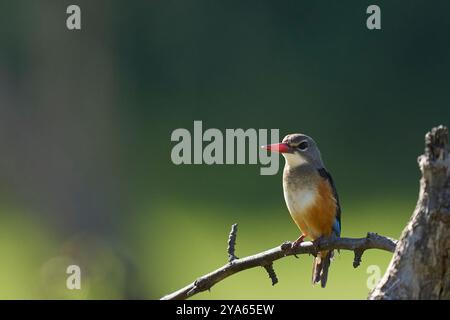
266,258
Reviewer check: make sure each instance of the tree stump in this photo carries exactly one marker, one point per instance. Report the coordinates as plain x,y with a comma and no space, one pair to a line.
420,267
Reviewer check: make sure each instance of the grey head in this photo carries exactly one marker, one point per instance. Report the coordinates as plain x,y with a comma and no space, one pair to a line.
301,150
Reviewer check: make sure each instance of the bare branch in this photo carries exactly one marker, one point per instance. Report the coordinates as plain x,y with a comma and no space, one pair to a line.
266,258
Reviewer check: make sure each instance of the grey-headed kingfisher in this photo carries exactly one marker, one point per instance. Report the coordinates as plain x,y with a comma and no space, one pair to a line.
310,196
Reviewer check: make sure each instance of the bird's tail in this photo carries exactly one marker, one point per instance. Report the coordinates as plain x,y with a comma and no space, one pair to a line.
320,267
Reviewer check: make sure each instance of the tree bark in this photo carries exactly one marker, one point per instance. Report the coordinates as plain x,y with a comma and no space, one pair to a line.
420,267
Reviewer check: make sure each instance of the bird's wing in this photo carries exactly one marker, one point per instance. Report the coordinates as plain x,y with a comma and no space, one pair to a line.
327,176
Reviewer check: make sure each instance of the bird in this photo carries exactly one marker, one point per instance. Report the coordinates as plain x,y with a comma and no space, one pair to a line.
311,197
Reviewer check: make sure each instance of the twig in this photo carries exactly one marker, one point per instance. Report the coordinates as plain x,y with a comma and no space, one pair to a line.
272,275
232,243
266,258
231,256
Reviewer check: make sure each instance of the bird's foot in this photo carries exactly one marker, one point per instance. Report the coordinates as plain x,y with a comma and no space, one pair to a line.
316,243
297,242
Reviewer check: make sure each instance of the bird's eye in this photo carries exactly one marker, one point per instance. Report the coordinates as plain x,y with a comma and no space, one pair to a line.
303,146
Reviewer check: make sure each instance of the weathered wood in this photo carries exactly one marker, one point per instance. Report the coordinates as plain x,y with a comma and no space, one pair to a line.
420,267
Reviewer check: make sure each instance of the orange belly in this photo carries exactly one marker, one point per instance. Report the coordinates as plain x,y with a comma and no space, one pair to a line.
317,219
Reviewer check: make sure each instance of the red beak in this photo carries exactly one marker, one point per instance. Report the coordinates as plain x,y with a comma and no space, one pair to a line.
278,147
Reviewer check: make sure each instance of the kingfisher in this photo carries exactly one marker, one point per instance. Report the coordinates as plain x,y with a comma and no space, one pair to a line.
310,195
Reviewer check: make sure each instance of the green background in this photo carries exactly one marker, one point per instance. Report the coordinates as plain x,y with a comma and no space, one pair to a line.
86,118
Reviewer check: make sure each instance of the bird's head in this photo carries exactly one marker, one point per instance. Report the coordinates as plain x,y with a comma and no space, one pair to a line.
298,149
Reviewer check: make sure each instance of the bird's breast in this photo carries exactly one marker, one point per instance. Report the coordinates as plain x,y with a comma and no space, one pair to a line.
299,188
310,202
299,200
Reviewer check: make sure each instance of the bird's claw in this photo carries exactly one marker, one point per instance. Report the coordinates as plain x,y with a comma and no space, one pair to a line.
297,242
316,244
